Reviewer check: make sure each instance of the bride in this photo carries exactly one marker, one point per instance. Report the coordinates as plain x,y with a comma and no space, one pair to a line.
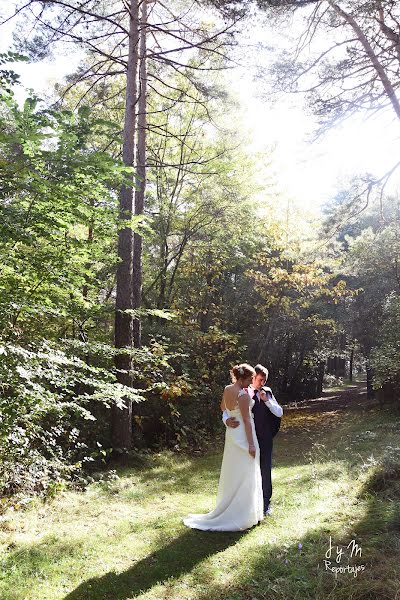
240,499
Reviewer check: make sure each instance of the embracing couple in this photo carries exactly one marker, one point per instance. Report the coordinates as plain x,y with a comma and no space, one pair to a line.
252,418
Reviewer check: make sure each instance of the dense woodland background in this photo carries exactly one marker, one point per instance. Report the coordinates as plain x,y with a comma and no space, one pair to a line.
144,250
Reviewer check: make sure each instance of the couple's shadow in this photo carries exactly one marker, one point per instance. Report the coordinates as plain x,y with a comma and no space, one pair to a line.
170,561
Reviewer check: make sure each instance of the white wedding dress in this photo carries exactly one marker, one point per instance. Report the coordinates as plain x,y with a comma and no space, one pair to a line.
240,498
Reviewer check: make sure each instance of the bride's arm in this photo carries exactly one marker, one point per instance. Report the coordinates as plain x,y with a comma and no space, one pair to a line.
227,420
244,403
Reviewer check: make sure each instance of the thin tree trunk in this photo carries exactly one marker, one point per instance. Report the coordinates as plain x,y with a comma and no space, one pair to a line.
85,288
370,377
122,418
163,278
286,364
205,317
269,331
141,176
351,365
169,294
291,387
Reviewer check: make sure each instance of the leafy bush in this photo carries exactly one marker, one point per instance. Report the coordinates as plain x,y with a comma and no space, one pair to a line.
48,430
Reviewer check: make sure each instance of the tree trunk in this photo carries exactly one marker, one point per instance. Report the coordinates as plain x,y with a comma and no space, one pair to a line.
205,315
140,176
320,383
85,288
163,278
269,331
286,365
122,418
370,389
351,364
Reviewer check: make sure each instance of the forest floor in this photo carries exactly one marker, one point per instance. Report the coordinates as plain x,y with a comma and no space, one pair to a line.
336,480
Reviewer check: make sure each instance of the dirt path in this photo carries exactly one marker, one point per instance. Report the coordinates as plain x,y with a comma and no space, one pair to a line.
351,397
318,418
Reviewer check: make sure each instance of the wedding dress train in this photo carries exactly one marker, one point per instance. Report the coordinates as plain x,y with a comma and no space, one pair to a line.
240,498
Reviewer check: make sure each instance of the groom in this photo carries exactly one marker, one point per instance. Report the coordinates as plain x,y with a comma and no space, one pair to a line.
267,415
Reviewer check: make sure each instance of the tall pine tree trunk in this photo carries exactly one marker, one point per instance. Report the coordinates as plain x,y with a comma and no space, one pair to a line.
122,418
140,175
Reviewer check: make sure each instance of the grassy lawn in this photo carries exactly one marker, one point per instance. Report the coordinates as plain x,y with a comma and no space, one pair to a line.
336,475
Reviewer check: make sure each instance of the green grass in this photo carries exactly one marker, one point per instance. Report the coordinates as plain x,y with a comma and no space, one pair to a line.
335,475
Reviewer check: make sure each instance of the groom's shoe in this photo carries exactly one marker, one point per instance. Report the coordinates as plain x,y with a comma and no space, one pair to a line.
268,511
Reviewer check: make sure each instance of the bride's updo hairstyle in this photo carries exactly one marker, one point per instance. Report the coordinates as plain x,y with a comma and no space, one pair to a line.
242,371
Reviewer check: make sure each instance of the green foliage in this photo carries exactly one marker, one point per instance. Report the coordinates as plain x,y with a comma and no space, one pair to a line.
58,209
366,254
8,77
55,408
58,231
297,300
47,399
385,358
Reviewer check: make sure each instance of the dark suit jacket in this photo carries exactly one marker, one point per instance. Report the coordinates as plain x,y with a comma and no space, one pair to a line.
266,423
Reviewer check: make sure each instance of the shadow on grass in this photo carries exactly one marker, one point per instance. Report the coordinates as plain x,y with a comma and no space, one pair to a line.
279,572
299,570
171,561
301,573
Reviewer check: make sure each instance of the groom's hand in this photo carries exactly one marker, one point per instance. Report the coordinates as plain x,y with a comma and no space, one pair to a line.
232,422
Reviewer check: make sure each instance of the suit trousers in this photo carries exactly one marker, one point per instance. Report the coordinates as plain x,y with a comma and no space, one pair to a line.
265,467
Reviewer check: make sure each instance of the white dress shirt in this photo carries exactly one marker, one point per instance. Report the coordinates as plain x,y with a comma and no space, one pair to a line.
272,404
